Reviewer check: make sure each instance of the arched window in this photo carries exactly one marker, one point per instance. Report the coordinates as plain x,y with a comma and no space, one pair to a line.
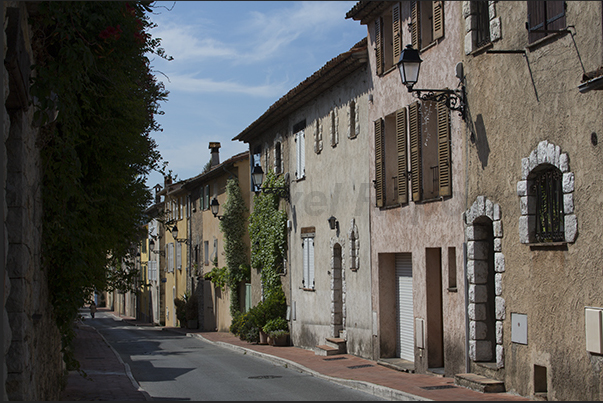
548,193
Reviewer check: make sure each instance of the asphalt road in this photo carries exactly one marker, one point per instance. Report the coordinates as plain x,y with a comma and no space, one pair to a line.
170,366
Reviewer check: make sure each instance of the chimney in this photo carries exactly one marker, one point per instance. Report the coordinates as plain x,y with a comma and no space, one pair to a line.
157,190
215,153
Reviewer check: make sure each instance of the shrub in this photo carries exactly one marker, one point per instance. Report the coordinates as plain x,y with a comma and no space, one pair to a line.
276,327
247,326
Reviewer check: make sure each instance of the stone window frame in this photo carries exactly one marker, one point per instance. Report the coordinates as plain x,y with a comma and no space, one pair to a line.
334,127
341,242
318,145
476,274
278,156
353,112
545,153
471,33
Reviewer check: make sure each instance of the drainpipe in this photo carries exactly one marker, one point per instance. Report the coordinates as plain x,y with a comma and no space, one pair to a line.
467,362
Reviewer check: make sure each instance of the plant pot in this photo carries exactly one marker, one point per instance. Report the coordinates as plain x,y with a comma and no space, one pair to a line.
263,337
281,340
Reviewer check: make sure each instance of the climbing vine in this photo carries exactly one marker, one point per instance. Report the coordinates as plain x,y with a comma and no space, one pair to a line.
92,65
268,235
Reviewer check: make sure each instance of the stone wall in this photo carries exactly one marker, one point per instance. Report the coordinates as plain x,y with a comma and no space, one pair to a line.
33,366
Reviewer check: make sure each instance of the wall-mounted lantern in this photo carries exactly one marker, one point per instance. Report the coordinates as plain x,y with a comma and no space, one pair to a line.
257,176
175,235
215,208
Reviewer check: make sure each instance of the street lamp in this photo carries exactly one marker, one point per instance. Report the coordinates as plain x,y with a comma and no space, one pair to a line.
215,208
257,176
175,235
409,66
152,248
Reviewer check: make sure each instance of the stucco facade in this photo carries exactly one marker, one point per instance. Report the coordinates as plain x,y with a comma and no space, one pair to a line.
416,226
527,115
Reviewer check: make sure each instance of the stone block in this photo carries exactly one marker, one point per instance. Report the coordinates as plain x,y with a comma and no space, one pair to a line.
20,295
523,205
541,152
480,350
500,308
498,284
496,212
497,244
568,203
489,209
568,182
526,228
476,233
477,330
477,271
564,163
470,23
533,161
467,9
477,250
525,168
571,227
500,356
495,30
499,262
18,261
478,293
497,229
499,332
18,357
476,311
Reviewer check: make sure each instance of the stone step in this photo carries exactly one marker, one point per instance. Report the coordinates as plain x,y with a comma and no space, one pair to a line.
337,343
479,383
325,350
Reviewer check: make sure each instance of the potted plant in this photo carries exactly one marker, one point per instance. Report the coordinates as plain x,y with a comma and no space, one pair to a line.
180,304
278,331
191,312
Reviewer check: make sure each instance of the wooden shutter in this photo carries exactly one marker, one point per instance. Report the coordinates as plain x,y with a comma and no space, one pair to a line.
536,19
379,45
555,15
438,19
402,156
414,120
444,163
397,32
379,164
414,19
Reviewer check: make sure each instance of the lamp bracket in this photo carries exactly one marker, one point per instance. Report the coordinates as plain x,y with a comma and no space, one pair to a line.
455,99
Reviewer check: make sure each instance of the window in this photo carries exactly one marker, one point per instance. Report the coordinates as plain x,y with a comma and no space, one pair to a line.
206,197
388,39
300,169
422,140
278,159
178,255
318,137
334,129
255,161
170,257
180,208
544,16
482,15
214,255
549,205
206,252
427,23
308,282
353,121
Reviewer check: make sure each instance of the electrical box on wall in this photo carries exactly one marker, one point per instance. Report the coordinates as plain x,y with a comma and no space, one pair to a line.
519,328
419,333
593,320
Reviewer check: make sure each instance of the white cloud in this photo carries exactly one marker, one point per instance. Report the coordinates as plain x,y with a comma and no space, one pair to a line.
182,42
189,83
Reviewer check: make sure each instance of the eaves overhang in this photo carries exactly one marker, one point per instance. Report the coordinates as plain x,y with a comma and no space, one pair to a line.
366,11
215,172
331,73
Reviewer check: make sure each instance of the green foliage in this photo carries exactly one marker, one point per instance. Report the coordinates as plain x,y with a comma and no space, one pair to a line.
96,156
247,326
232,226
276,327
268,234
180,304
218,276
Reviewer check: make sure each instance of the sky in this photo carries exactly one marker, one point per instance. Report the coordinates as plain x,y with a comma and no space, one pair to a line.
231,61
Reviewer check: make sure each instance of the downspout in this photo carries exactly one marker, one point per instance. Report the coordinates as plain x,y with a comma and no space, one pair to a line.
465,281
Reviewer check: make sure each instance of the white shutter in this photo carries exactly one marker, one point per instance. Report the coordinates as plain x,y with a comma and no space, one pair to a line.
311,283
179,256
305,259
405,342
171,257
303,154
297,156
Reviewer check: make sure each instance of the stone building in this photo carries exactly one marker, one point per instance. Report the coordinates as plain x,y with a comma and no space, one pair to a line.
417,152
533,195
32,364
317,135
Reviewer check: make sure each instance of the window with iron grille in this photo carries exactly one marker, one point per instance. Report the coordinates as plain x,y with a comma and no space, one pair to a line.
547,186
483,23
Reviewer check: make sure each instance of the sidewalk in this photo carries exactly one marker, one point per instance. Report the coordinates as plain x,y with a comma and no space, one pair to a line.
112,381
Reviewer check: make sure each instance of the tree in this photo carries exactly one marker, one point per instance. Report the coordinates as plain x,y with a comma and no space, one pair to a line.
92,64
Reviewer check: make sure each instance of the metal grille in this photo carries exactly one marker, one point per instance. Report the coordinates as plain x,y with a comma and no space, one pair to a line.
549,206
334,358
438,387
360,366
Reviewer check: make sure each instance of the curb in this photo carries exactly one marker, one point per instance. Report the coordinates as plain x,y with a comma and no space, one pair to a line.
367,387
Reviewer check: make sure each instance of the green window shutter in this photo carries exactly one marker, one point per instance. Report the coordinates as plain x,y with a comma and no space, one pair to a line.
444,162
414,19
379,166
397,31
402,156
414,120
438,19
379,45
